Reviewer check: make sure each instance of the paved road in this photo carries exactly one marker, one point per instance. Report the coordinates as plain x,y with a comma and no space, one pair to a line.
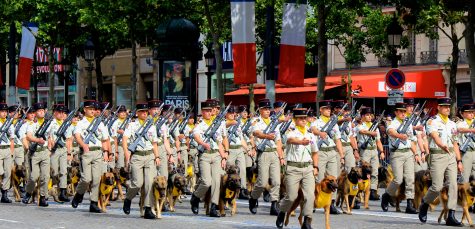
18,215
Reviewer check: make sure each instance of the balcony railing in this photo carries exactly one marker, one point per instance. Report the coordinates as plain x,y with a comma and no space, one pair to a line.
429,57
463,59
384,62
408,58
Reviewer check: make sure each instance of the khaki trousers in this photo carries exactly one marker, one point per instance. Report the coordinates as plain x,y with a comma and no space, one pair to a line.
121,157
468,161
6,164
40,168
143,171
402,164
91,167
268,167
422,166
350,161
236,157
210,171
59,163
371,157
296,178
19,155
162,168
328,163
194,159
443,165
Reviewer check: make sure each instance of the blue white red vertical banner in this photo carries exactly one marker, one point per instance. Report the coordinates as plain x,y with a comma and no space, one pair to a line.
28,43
243,24
292,44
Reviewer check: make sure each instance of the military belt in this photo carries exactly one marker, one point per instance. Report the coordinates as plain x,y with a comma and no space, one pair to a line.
326,149
75,144
440,151
18,146
40,148
298,164
211,151
5,147
143,153
94,148
345,144
235,146
370,148
183,144
270,150
401,150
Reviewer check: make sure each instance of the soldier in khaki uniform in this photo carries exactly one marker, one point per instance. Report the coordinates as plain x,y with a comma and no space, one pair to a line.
29,120
91,156
59,158
331,155
421,143
444,160
117,134
143,162
403,155
302,167
164,149
269,161
39,160
6,162
18,153
211,162
464,127
348,140
370,154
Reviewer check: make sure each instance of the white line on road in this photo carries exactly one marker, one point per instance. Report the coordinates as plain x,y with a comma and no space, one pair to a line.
9,221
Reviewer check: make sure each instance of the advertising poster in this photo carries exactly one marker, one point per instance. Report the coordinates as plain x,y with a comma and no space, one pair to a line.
176,83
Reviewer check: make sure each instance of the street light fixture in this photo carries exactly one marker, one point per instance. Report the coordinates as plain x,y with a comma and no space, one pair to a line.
394,31
89,57
209,61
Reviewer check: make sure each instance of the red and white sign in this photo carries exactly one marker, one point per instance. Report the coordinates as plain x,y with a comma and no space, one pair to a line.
28,42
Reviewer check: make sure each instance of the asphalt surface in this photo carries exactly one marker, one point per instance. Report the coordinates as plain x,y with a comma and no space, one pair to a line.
57,215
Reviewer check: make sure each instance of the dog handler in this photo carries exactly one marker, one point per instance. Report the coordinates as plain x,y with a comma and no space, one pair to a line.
464,128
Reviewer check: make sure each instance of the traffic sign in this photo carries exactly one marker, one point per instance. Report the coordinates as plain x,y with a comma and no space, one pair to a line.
395,78
393,100
395,93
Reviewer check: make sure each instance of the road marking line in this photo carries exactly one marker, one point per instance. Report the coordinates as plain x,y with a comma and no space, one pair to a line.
9,221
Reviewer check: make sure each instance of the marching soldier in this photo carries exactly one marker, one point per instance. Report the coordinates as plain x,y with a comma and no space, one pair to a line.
269,161
178,140
250,155
350,148
444,160
237,149
143,162
370,154
302,167
30,120
6,162
329,156
211,162
91,156
18,153
164,149
402,160
421,145
192,151
119,150
465,127
39,159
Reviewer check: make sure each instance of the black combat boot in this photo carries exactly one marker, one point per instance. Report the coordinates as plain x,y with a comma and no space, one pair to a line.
279,222
77,200
333,209
386,198
451,221
213,211
244,194
266,196
26,198
63,196
94,208
126,206
357,202
5,197
253,205
195,204
410,209
373,195
43,202
307,223
423,212
148,214
274,208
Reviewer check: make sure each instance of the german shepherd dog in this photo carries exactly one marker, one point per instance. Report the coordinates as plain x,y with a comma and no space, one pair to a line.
176,187
18,177
73,179
348,186
106,188
364,185
385,176
121,177
465,199
159,190
229,191
323,192
422,182
251,175
190,175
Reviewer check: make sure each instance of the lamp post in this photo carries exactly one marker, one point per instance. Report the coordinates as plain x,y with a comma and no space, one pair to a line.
209,60
394,31
89,57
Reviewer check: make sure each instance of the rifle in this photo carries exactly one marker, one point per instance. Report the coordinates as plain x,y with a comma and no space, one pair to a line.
270,128
247,125
408,121
213,128
328,127
344,127
232,136
426,117
284,127
40,133
91,131
184,122
111,119
6,126
142,134
61,133
19,123
163,119
469,140
373,127
125,123
174,124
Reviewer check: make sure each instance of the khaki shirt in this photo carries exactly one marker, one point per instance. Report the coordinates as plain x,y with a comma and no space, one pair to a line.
301,153
260,125
395,124
447,132
10,134
462,124
201,129
33,128
361,138
133,129
101,135
237,139
53,129
319,123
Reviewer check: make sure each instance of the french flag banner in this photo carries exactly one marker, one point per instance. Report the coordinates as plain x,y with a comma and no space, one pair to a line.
244,41
28,43
292,44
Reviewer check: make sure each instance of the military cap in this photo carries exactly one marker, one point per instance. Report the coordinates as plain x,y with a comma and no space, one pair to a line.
38,106
338,103
278,104
60,108
468,107
242,108
89,103
300,112
105,105
3,106
166,107
232,109
409,101
400,106
141,106
444,101
325,103
178,110
312,114
366,110
32,109
206,105
121,108
264,103
12,108
154,103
